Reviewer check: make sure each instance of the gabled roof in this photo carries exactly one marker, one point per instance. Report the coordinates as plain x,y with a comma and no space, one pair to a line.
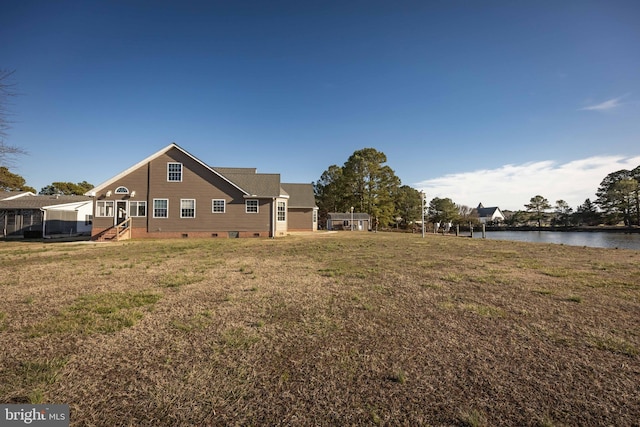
300,195
255,184
141,163
39,201
488,212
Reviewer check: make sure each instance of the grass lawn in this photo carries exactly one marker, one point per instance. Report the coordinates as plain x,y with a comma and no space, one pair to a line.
331,329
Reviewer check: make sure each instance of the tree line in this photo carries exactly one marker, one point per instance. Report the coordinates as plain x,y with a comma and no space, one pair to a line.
10,181
367,184
617,202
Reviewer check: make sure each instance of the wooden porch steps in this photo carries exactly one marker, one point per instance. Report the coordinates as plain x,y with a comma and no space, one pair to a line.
121,231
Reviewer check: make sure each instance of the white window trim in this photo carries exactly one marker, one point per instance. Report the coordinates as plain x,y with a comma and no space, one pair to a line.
105,203
284,211
154,209
137,203
169,172
246,206
224,206
194,209
122,190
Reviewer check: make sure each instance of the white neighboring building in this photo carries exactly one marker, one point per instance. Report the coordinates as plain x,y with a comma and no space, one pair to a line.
73,218
492,214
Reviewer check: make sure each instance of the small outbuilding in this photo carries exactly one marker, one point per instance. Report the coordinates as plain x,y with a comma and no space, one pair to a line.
356,221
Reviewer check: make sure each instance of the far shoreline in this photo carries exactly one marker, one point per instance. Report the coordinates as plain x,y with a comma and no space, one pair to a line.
602,229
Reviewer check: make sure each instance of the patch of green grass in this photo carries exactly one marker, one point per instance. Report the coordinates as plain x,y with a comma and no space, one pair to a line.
35,396
574,298
529,263
601,266
179,279
10,281
556,272
35,375
399,376
246,270
614,344
237,338
375,418
448,305
483,310
98,313
197,322
452,278
473,418
331,272
546,421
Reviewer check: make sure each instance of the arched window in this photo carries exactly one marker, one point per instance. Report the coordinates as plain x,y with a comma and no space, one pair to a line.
122,190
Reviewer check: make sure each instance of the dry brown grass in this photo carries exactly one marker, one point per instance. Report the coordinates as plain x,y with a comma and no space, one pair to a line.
342,329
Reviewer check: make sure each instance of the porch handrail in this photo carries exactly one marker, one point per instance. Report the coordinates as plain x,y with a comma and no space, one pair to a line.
124,228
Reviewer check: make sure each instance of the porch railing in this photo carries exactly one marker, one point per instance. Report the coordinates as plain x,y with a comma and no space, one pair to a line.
123,230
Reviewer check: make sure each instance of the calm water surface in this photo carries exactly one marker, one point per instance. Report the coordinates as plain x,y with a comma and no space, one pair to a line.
575,238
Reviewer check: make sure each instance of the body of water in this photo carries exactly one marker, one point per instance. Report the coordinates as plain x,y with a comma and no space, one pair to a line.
597,239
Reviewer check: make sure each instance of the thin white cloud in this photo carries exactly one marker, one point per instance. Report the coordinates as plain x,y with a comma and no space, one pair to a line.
511,186
606,105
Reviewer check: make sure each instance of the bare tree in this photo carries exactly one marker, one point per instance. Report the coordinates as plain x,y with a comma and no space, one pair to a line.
464,211
7,151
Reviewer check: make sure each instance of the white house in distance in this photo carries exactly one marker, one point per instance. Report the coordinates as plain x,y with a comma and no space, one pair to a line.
492,214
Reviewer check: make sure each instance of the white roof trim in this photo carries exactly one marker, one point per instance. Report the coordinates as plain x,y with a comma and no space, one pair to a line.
17,196
141,163
76,205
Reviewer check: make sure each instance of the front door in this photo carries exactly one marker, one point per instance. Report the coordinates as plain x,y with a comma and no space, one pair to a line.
121,211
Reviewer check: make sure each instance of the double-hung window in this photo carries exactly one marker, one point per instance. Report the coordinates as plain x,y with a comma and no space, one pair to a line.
282,211
251,206
174,172
218,205
161,208
187,208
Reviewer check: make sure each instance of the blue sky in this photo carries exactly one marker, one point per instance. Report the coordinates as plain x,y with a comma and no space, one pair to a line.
480,101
